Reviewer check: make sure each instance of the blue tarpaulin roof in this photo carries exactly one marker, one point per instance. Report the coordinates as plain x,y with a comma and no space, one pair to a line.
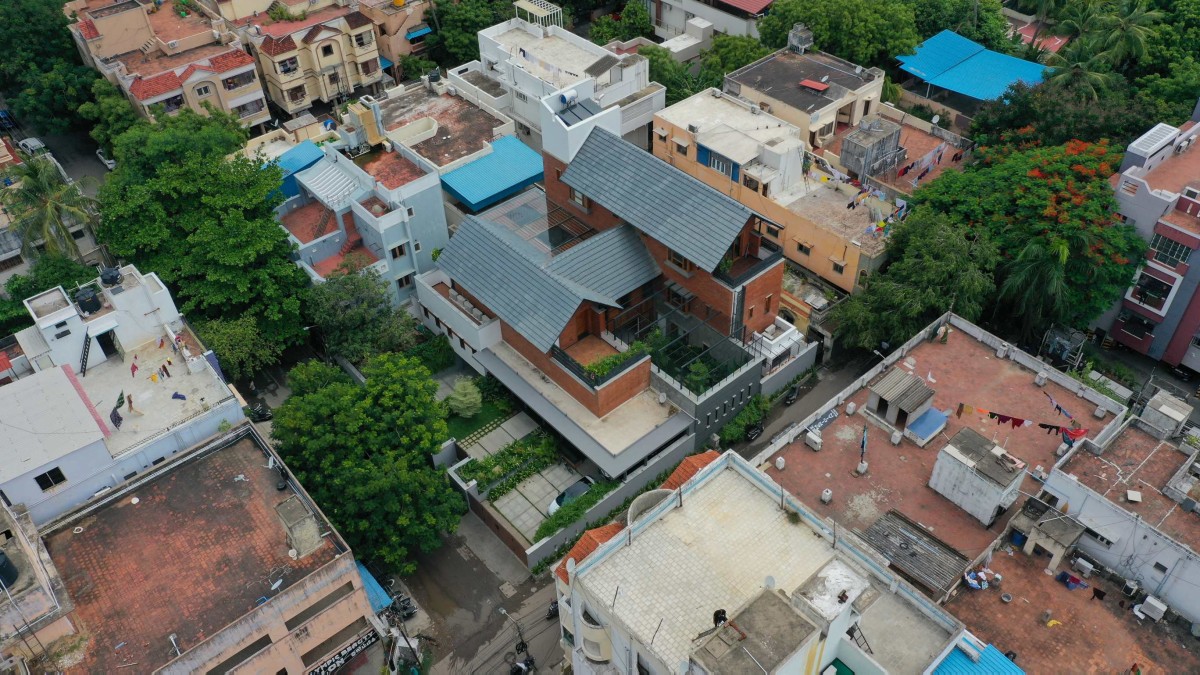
929,423
418,32
951,61
385,62
300,157
991,662
510,167
379,598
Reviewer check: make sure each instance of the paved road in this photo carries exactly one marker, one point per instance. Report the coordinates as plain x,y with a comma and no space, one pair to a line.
76,152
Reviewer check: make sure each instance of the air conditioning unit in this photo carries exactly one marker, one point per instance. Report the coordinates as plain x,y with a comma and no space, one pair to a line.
1153,608
1084,567
813,440
1130,589
172,44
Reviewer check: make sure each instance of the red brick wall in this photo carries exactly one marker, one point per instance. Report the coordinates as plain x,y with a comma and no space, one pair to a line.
600,403
559,193
708,291
769,283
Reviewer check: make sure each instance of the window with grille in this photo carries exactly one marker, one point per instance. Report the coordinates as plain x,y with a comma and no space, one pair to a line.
1168,252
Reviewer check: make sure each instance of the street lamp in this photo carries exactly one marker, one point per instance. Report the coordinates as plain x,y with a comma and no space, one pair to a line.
521,646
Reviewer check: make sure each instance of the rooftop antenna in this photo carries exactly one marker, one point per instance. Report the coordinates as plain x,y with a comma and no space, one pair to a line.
175,645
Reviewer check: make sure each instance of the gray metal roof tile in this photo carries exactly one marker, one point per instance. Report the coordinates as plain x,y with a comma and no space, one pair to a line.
611,263
656,198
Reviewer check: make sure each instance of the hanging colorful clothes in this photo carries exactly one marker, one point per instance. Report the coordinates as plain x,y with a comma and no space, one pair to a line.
1003,419
959,412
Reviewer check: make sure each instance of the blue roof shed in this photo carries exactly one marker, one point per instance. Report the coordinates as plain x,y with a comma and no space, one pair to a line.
952,62
510,167
376,595
296,160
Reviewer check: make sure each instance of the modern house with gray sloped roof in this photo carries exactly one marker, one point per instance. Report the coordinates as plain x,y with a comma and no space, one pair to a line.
629,306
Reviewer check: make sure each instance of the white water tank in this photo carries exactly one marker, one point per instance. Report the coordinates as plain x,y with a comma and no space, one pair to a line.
851,407
779,463
826,496
1040,380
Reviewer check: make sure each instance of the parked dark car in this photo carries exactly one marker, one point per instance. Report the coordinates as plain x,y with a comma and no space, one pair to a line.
7,123
792,395
754,431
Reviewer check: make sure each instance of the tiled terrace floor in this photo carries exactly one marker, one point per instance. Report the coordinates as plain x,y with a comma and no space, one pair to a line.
1094,636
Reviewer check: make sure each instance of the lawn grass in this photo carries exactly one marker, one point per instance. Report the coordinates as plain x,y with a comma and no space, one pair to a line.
461,427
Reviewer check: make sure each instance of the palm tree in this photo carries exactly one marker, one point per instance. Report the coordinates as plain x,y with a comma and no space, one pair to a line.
1082,67
1128,29
1035,284
44,207
1081,20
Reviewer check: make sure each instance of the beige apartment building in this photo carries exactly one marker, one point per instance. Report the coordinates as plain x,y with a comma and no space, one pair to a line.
326,51
759,160
170,55
402,31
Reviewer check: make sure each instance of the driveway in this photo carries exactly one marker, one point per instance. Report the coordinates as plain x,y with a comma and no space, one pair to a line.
515,427
525,508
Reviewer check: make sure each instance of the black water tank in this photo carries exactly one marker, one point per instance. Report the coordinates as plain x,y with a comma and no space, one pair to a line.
110,276
8,571
89,300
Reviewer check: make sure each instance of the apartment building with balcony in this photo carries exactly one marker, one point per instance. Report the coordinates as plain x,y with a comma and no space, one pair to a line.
326,51
521,62
402,30
1158,192
632,328
764,162
167,57
706,575
380,210
728,17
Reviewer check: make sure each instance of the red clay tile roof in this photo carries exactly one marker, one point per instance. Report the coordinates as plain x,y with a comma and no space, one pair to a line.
190,70
312,35
357,20
87,28
234,58
688,468
589,542
147,88
276,46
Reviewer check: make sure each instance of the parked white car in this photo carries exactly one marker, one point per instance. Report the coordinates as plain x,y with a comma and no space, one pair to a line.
109,163
31,145
575,491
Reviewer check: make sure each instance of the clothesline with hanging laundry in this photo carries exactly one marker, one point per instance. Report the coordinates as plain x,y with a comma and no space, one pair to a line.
1070,432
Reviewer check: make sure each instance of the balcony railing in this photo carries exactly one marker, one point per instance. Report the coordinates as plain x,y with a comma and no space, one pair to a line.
747,267
592,376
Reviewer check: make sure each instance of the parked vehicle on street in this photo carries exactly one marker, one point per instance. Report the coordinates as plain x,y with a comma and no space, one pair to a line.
792,395
754,431
570,494
110,164
31,145
7,123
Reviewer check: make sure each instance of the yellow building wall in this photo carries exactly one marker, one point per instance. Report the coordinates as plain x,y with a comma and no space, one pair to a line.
827,246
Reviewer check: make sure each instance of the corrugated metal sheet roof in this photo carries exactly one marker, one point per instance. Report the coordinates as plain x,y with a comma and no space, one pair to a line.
300,157
902,389
991,662
510,166
611,263
499,271
656,198
913,550
951,61
328,182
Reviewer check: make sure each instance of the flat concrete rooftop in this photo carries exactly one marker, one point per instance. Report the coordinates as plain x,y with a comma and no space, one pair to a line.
200,548
1138,461
570,60
463,128
823,201
963,370
617,430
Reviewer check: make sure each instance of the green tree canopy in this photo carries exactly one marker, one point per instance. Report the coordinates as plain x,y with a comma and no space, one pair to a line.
48,271
205,224
456,40
980,21
239,345
1049,212
34,33
50,94
938,266
109,113
363,453
1048,114
673,75
1171,97
356,318
465,400
312,376
727,54
44,207
634,23
866,32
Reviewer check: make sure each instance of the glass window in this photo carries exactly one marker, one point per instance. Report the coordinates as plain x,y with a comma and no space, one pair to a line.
327,50
580,199
1168,252
51,478
203,90
288,65
677,259
838,267
803,249
720,163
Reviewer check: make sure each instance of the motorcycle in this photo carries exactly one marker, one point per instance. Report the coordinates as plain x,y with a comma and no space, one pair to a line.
553,611
523,667
258,413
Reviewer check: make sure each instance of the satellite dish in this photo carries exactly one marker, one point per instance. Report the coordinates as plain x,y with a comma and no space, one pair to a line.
936,119
814,117
770,582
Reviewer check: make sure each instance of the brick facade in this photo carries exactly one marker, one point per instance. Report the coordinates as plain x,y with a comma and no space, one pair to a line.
600,401
559,193
763,294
